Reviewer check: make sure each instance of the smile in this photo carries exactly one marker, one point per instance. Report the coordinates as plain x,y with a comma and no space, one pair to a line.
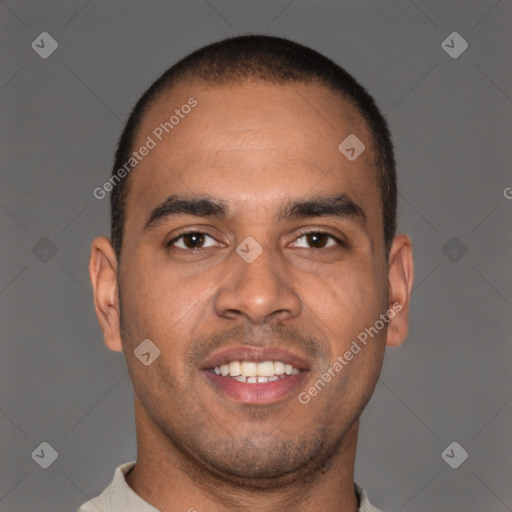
251,372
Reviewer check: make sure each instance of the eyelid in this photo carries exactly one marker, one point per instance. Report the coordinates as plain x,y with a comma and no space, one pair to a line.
340,241
176,237
190,232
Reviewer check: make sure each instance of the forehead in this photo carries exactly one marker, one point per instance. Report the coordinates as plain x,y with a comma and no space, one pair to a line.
248,140
259,109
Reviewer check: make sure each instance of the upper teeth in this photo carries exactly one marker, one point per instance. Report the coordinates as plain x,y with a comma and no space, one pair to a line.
253,369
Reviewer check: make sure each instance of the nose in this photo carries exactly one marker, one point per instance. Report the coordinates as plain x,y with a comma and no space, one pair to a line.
260,290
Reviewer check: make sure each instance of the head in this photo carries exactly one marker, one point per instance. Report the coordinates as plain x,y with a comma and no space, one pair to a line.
293,255
275,61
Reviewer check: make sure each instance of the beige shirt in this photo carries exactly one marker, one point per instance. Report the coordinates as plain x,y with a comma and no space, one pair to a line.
120,497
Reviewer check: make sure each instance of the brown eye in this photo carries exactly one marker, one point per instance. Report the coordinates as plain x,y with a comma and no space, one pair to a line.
192,240
316,240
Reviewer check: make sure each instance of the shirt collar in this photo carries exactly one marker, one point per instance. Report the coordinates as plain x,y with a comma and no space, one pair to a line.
120,497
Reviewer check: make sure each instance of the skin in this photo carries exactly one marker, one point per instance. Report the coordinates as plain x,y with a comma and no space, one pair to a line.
255,146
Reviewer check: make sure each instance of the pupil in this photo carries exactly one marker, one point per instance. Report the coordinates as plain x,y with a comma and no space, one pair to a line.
317,240
193,239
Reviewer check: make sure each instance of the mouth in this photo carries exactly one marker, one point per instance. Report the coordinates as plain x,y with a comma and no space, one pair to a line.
255,376
252,372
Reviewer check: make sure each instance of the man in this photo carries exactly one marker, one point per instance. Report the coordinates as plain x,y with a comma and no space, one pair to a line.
253,281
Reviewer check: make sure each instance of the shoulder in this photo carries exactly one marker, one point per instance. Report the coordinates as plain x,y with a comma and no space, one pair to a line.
364,502
117,496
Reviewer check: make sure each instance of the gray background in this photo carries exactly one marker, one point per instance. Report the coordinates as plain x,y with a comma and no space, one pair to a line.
451,122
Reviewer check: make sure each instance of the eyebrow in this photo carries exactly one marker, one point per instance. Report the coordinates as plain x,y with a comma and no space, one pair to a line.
175,205
340,206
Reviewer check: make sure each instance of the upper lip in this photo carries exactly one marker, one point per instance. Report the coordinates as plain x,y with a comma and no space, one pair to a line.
253,354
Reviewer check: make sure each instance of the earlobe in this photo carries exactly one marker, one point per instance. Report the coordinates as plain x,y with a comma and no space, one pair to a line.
103,274
401,277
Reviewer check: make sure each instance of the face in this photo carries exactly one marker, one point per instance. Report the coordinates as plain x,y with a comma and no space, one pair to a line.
250,238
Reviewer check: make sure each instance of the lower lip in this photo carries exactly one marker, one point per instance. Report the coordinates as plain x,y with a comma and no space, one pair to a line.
259,392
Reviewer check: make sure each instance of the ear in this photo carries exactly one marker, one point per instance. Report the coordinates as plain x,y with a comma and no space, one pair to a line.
401,277
103,273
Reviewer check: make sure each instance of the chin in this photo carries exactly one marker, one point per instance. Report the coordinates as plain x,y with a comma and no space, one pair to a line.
278,463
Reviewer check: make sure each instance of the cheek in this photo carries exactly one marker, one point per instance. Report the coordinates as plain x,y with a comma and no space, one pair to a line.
348,304
157,306
169,307
346,300
159,297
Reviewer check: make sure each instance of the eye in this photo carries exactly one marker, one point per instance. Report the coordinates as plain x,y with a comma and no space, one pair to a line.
316,240
192,240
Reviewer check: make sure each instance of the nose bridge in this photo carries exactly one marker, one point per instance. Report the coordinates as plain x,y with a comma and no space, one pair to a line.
258,286
263,272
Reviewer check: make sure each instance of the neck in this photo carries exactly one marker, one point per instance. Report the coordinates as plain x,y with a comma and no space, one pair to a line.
171,481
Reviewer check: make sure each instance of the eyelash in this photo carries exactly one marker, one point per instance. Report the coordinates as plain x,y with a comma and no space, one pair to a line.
339,242
194,232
